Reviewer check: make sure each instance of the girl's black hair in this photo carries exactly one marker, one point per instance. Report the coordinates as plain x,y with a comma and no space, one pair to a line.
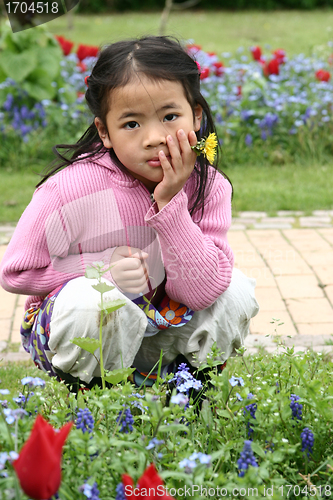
158,58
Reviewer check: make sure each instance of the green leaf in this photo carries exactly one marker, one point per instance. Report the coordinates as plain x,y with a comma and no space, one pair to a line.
49,61
112,305
18,66
87,344
278,456
118,375
258,450
224,413
103,287
91,273
38,85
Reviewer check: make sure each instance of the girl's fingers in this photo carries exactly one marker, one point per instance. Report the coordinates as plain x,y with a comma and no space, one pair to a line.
192,138
183,141
174,150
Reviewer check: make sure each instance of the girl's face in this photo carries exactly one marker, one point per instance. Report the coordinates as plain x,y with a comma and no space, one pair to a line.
142,114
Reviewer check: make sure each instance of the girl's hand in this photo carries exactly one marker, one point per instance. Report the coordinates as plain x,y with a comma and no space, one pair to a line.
129,271
178,169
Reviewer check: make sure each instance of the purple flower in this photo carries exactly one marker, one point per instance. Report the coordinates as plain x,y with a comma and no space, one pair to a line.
185,381
250,411
246,459
120,492
85,420
7,105
89,491
307,440
248,140
126,420
296,408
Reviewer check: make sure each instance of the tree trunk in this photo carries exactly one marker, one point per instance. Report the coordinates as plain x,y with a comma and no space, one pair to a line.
164,17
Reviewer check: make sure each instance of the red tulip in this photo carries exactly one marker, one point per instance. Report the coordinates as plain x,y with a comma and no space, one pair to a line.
256,53
271,67
39,464
322,75
84,51
193,46
82,66
280,55
219,68
66,45
150,485
204,73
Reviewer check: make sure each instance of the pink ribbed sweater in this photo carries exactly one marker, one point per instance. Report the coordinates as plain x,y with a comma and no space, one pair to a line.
82,213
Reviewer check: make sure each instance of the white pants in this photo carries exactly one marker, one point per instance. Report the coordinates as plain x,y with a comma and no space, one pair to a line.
76,314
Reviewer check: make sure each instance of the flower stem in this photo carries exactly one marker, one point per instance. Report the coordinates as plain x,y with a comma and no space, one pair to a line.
101,344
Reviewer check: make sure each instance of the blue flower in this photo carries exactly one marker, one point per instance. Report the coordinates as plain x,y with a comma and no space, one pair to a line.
189,464
126,420
236,381
202,457
185,381
33,381
120,492
85,420
246,458
179,399
154,443
250,411
12,415
248,140
4,391
296,407
307,440
10,457
89,491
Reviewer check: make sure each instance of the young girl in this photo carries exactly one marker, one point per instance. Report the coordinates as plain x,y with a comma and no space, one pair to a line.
135,196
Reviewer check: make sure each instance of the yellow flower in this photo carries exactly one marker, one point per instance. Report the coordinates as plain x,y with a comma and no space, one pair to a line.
207,147
210,147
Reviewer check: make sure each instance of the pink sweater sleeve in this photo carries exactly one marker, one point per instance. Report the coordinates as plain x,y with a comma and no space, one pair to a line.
28,266
196,256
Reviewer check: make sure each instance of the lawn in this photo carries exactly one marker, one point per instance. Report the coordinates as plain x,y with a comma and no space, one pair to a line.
295,31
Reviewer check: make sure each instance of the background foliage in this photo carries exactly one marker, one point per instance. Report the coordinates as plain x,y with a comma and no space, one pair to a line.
126,5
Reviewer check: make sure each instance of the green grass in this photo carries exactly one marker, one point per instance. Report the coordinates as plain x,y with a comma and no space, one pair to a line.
220,31
15,194
12,373
270,188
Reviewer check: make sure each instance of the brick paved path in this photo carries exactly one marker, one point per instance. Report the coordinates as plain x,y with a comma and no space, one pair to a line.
291,257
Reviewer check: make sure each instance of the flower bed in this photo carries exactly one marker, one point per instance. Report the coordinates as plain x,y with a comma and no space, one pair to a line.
263,431
267,107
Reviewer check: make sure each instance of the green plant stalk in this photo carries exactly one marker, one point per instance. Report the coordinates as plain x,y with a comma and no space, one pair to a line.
101,344
8,428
